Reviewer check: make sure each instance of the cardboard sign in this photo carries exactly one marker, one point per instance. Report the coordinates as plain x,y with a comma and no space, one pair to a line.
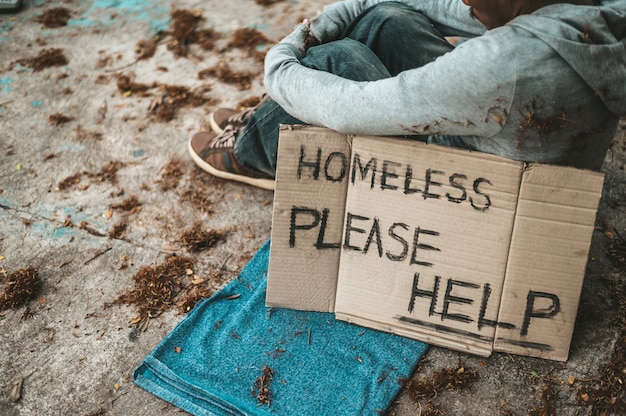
460,249
308,215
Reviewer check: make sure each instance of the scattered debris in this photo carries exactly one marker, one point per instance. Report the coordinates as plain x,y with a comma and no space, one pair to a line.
59,119
548,396
68,222
165,106
21,286
55,17
104,61
198,200
102,79
170,98
207,37
99,412
251,40
196,293
146,49
107,173
155,288
267,2
84,225
262,386
445,379
247,38
223,72
605,393
82,134
172,172
69,182
130,205
617,252
46,58
456,379
16,390
248,102
505,410
431,408
197,238
118,230
127,86
183,31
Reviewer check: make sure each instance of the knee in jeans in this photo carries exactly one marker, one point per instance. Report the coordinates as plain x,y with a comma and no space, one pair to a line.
347,58
344,48
393,12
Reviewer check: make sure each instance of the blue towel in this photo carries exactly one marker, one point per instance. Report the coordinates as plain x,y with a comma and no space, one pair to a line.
209,363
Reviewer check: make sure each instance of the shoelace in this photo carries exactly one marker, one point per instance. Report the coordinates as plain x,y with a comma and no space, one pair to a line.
226,139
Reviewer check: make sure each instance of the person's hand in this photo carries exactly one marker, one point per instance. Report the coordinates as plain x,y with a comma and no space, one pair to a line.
310,40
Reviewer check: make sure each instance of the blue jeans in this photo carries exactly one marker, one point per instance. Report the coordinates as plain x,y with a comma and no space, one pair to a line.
383,41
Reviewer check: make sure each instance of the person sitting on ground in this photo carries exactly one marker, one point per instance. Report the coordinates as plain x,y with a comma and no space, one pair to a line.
537,80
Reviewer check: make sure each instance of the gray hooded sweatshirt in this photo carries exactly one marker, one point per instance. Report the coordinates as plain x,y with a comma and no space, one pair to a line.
547,87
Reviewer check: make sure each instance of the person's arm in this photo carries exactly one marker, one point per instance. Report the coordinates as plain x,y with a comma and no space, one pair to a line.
450,17
465,92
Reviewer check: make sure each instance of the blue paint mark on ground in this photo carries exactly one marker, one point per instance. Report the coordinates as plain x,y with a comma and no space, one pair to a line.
71,147
135,10
49,230
6,26
139,153
6,203
36,103
4,84
22,68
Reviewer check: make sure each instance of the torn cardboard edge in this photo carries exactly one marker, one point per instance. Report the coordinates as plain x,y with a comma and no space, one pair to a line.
464,250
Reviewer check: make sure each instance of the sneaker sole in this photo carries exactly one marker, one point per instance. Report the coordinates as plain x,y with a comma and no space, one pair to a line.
268,184
214,126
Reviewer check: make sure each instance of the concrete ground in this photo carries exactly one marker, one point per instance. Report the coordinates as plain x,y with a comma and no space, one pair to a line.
94,186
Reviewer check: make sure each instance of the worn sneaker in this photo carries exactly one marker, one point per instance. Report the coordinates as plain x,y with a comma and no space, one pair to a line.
214,153
223,117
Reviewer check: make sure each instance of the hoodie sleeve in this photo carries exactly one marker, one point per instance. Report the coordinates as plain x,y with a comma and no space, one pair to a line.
450,17
467,92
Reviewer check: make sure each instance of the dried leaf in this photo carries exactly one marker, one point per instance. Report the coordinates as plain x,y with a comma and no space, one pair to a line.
16,391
